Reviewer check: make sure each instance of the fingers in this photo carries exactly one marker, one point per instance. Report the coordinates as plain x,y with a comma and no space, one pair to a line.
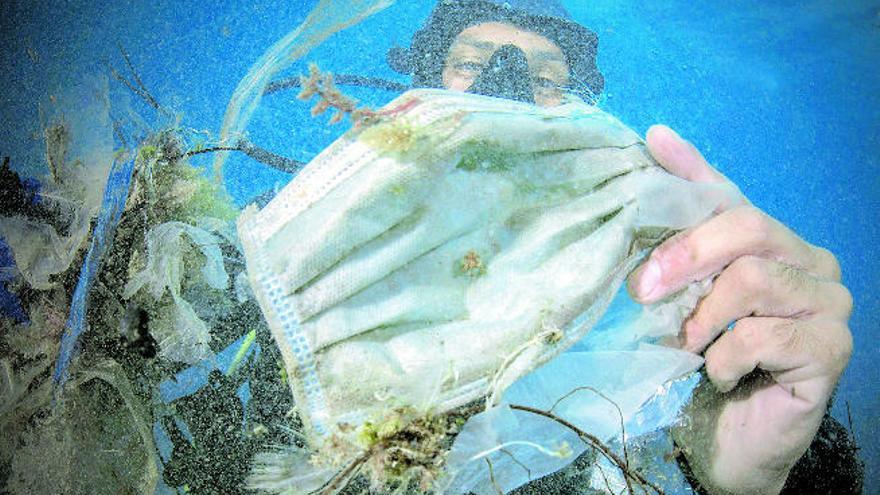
784,293
795,351
678,156
708,248
753,286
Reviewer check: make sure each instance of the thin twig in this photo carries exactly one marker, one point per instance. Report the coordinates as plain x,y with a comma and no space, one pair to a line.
261,155
619,414
210,150
849,419
594,442
851,432
119,77
605,478
345,79
492,477
117,131
339,478
589,438
518,462
137,79
494,388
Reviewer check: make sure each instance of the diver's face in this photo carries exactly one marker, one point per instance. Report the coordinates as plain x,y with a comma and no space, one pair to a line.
473,48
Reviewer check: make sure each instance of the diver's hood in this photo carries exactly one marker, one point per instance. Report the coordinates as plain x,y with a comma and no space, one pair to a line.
545,17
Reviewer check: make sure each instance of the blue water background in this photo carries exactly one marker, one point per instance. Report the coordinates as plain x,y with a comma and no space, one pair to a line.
783,97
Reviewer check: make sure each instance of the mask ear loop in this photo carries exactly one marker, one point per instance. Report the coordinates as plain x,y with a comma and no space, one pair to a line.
499,383
582,91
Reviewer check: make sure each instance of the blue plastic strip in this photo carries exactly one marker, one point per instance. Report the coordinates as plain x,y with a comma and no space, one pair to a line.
165,448
186,382
163,441
115,196
192,379
244,395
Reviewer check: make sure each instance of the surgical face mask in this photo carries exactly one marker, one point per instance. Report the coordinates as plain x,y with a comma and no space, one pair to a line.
431,258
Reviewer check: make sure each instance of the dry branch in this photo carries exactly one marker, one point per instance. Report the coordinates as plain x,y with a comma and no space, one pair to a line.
593,441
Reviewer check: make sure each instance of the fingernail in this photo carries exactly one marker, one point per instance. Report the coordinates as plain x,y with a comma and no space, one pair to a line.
648,280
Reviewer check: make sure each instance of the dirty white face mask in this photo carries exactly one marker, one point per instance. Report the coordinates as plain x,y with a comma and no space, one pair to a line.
432,258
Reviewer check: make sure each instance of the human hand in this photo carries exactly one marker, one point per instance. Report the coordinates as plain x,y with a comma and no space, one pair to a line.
790,312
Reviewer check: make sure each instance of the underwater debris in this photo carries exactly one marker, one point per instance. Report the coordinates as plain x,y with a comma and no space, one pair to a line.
408,449
112,205
39,336
284,469
395,137
471,265
22,197
17,390
181,335
172,206
57,138
402,452
242,352
395,231
630,475
97,436
325,19
388,131
137,87
346,79
168,188
112,373
261,155
274,160
79,154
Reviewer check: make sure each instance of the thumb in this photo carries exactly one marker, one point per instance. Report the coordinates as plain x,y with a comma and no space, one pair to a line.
679,157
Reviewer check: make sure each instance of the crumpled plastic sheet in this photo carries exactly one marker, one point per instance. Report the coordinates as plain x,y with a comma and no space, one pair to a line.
185,338
649,383
40,251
